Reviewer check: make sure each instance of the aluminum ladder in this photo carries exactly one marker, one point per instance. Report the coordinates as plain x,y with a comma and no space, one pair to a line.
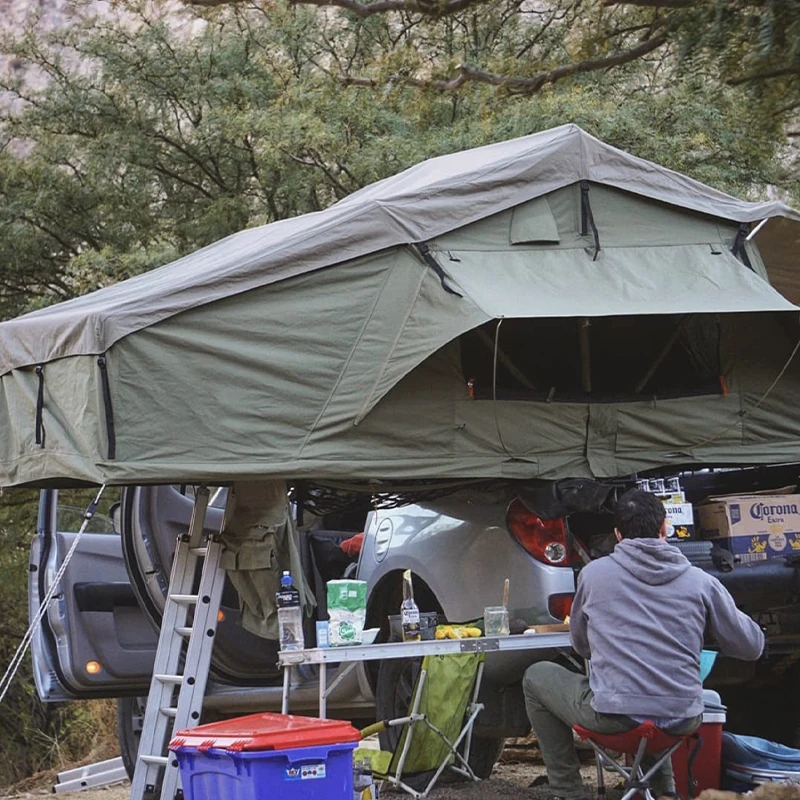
183,656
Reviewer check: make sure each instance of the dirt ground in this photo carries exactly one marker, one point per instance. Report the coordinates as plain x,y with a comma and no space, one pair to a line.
509,780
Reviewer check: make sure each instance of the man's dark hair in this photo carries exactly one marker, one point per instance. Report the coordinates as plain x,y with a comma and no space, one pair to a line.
639,515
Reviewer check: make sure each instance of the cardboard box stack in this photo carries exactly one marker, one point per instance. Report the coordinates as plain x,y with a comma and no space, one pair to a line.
680,519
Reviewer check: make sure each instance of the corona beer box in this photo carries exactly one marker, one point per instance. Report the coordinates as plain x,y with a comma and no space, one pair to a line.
267,757
680,518
753,527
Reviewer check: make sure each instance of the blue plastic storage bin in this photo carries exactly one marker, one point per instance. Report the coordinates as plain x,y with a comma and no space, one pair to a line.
267,757
707,660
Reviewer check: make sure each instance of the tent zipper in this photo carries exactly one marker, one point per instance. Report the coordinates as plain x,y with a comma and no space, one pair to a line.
40,432
587,218
109,411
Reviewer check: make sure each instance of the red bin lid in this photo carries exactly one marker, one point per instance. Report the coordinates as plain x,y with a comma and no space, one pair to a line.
265,732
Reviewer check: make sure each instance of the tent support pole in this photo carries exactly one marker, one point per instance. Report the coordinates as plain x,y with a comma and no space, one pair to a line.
586,354
668,345
503,358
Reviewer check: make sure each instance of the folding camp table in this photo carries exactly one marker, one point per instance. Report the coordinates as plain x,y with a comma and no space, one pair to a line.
349,657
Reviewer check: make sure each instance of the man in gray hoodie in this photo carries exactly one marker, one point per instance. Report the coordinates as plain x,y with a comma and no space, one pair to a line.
640,615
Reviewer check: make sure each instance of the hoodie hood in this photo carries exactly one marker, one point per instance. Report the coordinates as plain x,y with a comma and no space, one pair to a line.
653,561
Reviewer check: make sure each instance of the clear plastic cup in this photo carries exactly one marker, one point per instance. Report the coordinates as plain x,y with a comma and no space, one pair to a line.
495,621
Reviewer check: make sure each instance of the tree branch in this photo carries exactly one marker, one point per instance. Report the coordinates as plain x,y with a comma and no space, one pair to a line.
435,8
763,76
652,3
517,83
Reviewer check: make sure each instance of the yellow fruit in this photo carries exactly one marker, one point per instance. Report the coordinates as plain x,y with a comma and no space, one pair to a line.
473,632
439,634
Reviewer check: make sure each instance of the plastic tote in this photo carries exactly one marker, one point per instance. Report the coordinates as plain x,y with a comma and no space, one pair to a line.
267,757
749,761
707,660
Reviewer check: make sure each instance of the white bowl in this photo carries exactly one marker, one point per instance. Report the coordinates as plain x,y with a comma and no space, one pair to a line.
369,635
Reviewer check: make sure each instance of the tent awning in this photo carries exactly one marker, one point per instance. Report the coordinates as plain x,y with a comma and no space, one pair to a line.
682,279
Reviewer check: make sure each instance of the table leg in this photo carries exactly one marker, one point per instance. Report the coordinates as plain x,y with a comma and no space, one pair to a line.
287,680
323,690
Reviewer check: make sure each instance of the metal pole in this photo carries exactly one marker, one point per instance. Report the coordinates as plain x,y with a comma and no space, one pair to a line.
586,354
287,677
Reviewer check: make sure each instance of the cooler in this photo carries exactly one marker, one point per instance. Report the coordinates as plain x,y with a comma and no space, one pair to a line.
267,757
707,765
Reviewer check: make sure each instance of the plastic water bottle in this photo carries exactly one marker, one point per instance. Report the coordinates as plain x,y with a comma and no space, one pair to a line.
290,615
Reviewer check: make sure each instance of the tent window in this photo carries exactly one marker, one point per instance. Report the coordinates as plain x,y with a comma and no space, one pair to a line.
603,359
533,223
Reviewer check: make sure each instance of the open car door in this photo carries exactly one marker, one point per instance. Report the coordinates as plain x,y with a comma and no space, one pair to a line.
94,640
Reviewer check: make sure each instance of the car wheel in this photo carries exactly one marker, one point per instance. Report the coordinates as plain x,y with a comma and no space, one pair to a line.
130,717
484,753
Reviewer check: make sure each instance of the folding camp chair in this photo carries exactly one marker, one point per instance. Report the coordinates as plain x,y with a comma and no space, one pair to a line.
644,740
437,733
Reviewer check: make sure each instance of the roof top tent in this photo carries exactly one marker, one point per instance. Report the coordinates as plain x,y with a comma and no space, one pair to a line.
546,307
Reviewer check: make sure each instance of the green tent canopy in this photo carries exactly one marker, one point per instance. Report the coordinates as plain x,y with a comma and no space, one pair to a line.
540,308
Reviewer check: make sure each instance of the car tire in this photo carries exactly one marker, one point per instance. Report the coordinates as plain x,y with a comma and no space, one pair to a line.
484,754
130,717
396,680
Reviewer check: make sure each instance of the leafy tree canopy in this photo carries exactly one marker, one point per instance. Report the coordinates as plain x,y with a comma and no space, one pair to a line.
751,41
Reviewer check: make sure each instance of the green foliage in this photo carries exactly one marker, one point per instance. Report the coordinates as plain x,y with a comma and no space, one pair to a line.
24,722
36,736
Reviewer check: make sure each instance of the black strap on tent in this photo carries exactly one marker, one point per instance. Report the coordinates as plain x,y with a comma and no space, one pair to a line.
587,218
739,251
110,432
40,432
425,254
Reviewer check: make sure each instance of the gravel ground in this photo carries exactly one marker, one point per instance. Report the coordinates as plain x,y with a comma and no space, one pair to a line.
509,780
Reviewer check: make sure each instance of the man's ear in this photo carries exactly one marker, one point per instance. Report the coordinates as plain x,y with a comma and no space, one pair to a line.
662,534
618,535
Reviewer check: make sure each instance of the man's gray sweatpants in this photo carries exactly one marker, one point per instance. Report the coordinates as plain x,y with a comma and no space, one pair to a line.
556,699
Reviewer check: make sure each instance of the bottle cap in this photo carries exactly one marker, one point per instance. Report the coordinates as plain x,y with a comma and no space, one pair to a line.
286,578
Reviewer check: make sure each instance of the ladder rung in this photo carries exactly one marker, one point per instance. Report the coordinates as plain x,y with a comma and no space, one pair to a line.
198,551
168,711
160,760
183,631
169,678
183,598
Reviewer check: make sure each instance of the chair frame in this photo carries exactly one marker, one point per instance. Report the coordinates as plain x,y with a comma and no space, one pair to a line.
461,759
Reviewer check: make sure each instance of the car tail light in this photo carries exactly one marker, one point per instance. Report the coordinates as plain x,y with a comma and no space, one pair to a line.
560,605
544,539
